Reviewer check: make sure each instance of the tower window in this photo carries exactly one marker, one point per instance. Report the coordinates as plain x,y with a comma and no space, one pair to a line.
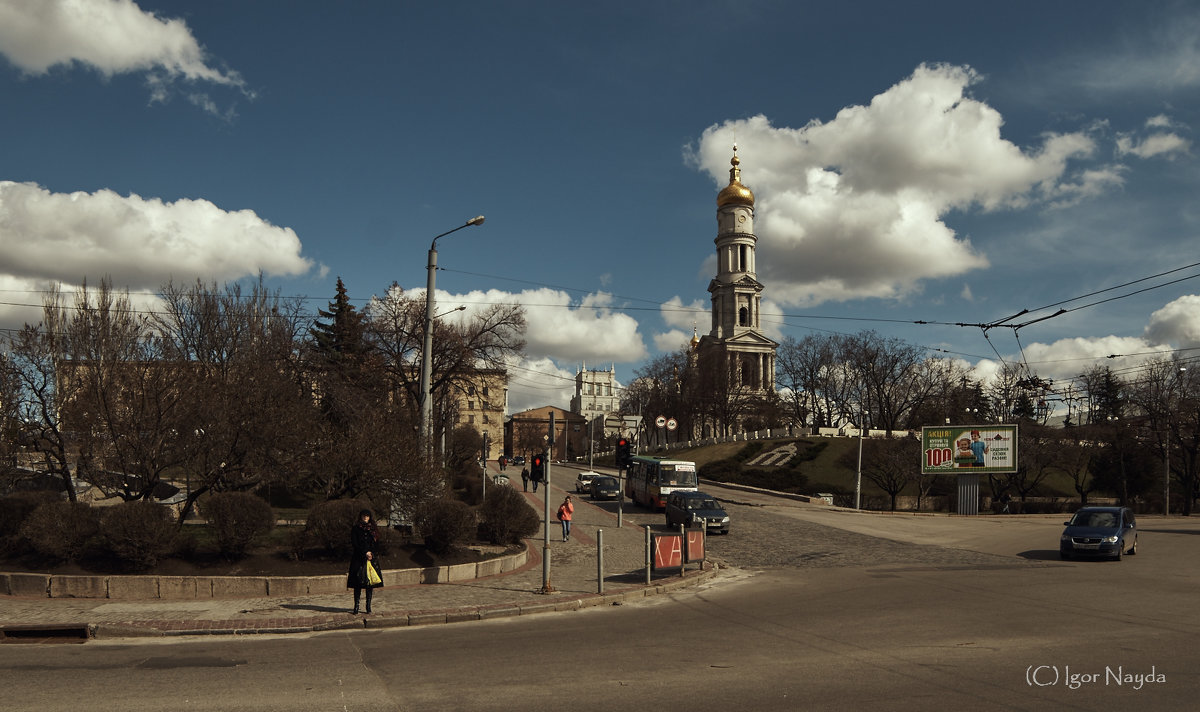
743,317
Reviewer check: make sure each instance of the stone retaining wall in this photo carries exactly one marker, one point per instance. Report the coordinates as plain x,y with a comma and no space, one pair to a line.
193,587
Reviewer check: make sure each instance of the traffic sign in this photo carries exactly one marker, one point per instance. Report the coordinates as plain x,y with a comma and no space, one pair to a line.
660,421
671,424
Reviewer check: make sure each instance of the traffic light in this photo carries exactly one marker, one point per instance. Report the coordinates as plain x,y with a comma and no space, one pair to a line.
623,456
537,469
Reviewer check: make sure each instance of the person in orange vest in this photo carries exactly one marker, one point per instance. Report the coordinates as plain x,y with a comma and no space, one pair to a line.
565,510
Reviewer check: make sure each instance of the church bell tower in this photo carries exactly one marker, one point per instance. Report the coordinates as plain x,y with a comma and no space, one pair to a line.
736,339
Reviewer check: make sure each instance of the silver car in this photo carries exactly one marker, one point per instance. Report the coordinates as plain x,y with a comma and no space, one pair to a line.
583,481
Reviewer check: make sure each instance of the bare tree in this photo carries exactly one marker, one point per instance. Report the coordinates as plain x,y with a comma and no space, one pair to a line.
891,463
39,355
236,358
487,339
1169,395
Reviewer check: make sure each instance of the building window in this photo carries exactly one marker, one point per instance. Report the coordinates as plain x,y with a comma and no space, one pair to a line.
470,405
485,392
471,419
485,419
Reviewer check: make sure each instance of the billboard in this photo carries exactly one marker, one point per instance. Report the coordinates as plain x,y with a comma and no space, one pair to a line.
963,449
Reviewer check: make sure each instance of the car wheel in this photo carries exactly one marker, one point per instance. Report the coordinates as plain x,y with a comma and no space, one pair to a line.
1120,551
1133,549
1064,556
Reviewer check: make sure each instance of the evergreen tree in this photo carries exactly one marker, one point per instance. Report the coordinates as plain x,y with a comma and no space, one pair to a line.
340,335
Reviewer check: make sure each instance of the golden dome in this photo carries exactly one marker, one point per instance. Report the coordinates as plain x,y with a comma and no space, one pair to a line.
735,193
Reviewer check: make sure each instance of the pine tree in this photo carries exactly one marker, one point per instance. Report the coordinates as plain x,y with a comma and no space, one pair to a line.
340,336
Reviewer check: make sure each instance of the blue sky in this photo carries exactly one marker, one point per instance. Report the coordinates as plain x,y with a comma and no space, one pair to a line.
939,162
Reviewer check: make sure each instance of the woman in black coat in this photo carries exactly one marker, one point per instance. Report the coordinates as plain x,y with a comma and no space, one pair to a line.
364,540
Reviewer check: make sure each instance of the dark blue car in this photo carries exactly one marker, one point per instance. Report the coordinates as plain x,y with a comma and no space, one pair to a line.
1108,532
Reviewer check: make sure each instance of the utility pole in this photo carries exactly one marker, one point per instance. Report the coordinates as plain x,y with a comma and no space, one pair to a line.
546,587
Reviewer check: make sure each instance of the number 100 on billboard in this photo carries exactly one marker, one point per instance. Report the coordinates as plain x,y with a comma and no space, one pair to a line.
969,448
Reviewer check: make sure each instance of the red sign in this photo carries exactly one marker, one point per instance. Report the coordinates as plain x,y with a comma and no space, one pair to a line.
668,551
695,545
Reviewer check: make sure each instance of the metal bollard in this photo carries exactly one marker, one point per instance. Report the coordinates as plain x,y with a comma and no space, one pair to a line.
599,561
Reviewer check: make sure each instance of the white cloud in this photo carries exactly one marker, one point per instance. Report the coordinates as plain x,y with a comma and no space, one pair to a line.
110,36
854,207
697,314
535,381
672,340
1167,57
138,242
589,331
1159,144
1177,323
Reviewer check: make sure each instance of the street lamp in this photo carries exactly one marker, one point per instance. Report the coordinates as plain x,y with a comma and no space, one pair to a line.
427,344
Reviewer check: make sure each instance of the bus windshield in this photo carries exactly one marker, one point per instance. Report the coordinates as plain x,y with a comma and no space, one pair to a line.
671,476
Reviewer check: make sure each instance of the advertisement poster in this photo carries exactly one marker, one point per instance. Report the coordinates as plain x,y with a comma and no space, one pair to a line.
969,449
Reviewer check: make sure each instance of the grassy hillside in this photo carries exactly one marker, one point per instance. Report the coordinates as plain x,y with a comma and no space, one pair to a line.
822,470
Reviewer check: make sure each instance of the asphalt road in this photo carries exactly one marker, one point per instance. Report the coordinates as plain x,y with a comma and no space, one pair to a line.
821,609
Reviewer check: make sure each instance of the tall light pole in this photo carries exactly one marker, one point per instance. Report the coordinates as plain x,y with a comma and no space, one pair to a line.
427,344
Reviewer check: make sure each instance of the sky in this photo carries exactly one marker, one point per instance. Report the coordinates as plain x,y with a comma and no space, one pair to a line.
919,169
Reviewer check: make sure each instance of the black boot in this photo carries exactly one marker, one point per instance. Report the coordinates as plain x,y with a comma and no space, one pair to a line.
357,596
369,591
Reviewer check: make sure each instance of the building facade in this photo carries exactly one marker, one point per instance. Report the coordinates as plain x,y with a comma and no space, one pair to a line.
479,400
525,433
596,393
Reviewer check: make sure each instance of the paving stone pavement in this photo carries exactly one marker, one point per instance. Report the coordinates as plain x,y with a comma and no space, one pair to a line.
573,578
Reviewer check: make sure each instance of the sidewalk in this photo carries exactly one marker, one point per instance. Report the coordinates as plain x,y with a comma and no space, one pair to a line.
572,578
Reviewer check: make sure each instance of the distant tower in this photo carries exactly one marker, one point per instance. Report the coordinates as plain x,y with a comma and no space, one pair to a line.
736,342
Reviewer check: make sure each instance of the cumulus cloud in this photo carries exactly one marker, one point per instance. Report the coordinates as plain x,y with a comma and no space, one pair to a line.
588,331
138,242
854,207
1178,323
111,37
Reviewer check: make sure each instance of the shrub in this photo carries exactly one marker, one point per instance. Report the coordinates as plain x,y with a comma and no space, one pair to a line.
506,517
328,525
237,518
446,524
137,533
61,530
750,451
14,508
721,470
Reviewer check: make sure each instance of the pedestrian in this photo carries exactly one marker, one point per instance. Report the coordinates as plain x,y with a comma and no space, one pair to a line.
565,510
525,478
1005,499
364,546
536,476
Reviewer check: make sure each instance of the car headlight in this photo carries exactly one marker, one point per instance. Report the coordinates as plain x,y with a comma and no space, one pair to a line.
724,520
1110,539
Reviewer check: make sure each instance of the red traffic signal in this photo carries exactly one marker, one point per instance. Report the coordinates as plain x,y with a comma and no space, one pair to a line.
623,456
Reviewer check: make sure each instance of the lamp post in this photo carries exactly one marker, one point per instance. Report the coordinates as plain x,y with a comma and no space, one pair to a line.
427,344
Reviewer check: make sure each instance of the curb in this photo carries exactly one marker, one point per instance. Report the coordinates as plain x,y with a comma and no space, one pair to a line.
177,588
157,629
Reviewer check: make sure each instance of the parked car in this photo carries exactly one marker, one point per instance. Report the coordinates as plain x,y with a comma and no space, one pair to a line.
1099,531
518,460
693,508
605,487
583,480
